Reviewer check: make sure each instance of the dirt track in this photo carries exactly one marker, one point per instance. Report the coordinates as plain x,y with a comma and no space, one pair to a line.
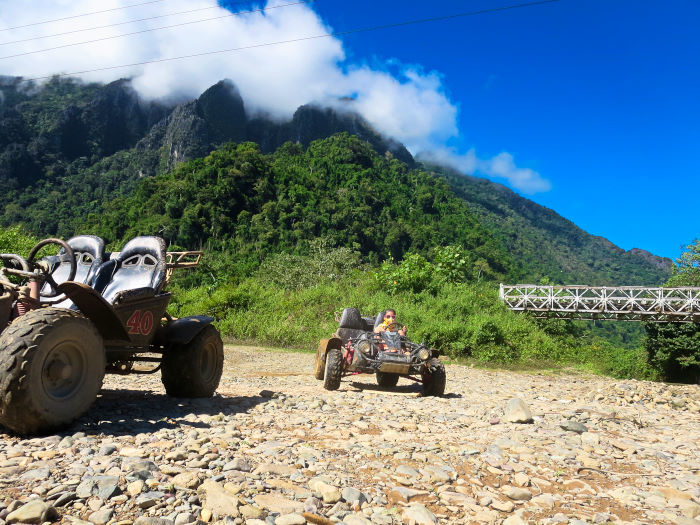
273,445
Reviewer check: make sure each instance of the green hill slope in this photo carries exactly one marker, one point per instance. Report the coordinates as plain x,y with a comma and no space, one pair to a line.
545,245
240,200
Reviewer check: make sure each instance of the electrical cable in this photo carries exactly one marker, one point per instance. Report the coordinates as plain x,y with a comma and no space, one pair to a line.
81,15
120,23
229,15
301,39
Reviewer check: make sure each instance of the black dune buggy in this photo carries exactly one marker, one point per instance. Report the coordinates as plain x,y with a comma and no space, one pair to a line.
356,349
67,319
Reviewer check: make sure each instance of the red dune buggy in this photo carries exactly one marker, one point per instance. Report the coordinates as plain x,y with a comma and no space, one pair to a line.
356,349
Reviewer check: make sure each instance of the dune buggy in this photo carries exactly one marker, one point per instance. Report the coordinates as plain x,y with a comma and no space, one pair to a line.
356,349
67,319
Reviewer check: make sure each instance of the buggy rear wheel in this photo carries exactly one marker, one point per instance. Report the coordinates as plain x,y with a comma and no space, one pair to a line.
334,369
434,378
194,369
387,380
52,363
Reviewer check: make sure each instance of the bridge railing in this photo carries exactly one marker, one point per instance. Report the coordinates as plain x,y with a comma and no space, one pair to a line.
625,303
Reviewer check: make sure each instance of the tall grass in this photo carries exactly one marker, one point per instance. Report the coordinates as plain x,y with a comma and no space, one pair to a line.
463,320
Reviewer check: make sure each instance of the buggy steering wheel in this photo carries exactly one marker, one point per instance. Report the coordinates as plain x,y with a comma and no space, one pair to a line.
393,326
68,256
17,266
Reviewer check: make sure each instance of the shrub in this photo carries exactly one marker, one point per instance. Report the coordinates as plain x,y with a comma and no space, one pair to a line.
674,350
15,240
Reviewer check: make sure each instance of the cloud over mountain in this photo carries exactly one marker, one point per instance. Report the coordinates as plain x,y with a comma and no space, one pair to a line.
400,100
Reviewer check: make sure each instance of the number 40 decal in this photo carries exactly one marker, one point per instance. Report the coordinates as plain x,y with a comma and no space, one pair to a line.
140,323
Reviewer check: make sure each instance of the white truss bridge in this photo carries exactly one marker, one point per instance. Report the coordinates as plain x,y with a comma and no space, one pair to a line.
623,303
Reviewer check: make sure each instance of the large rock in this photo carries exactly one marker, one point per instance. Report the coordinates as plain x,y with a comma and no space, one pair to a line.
101,517
418,515
290,519
148,520
517,493
36,511
187,480
406,495
516,411
353,496
329,493
275,469
573,426
278,503
217,499
106,487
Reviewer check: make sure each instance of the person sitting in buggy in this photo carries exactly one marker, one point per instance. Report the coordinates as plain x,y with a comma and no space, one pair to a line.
389,330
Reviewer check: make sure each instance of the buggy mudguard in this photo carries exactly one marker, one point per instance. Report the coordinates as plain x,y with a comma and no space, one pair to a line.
134,320
326,344
320,362
182,331
94,307
6,300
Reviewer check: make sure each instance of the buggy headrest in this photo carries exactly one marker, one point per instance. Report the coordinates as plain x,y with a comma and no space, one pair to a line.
141,264
144,245
90,244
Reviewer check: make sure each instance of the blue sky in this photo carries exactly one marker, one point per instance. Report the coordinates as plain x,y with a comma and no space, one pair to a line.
588,107
600,97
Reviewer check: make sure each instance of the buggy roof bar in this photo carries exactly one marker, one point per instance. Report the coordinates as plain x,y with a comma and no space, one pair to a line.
175,260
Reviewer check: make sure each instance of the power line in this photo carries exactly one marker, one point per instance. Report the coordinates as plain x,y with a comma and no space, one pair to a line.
119,23
154,29
81,15
302,39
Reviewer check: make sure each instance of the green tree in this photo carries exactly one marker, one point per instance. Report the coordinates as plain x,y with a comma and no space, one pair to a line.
686,272
674,348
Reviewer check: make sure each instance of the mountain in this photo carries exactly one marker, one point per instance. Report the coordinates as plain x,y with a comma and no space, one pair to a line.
195,128
547,246
68,150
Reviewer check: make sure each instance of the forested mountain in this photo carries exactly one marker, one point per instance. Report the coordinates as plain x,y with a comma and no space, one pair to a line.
86,157
548,246
339,189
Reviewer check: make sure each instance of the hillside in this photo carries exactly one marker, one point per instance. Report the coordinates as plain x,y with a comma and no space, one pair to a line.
68,150
339,189
546,245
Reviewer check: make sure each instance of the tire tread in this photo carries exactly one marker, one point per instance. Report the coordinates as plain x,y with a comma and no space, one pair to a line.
434,381
178,374
334,369
17,343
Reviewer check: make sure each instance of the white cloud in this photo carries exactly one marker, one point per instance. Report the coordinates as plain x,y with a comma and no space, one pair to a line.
409,104
502,166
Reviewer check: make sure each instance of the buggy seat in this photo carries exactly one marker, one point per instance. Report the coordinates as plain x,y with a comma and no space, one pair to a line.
89,252
352,324
138,270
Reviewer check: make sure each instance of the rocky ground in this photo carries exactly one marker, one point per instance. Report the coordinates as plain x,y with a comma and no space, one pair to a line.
274,448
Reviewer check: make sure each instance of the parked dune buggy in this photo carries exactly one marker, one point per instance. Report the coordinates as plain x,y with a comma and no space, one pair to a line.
356,349
67,319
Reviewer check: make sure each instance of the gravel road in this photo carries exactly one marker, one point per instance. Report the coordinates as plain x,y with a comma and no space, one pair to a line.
272,447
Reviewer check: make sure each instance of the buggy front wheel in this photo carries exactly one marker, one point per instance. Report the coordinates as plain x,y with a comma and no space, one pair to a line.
334,369
387,380
434,378
52,363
